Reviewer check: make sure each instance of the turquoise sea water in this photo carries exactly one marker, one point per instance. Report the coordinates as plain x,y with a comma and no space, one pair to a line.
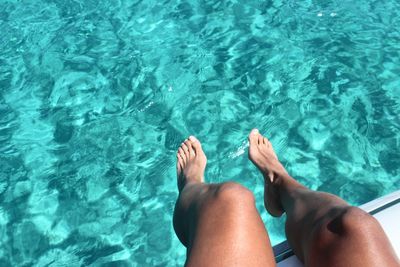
95,97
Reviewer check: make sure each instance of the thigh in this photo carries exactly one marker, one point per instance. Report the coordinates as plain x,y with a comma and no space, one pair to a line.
356,240
228,231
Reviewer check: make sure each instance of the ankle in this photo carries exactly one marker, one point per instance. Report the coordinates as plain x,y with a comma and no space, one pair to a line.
191,191
285,183
289,187
277,178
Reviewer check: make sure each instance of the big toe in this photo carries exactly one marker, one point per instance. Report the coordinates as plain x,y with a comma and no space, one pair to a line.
253,137
196,145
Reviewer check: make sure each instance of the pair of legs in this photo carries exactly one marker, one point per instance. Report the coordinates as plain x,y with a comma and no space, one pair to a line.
220,226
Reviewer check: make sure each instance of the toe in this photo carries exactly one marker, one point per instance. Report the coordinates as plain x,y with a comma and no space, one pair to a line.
179,163
181,153
265,141
188,143
268,143
253,137
260,139
196,145
185,150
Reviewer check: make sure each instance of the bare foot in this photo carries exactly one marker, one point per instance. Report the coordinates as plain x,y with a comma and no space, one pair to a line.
191,163
263,156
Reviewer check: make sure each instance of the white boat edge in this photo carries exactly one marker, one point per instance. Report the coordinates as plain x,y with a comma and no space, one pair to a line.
384,209
381,202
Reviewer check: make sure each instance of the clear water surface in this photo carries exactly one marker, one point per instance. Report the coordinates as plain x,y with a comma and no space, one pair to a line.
97,95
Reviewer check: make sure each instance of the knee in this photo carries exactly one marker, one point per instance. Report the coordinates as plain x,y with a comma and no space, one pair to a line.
352,220
356,220
231,193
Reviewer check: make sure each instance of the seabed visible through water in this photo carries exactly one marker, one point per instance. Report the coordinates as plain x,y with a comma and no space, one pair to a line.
96,96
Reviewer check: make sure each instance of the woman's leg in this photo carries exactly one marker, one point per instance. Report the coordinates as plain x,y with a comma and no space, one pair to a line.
322,229
218,223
